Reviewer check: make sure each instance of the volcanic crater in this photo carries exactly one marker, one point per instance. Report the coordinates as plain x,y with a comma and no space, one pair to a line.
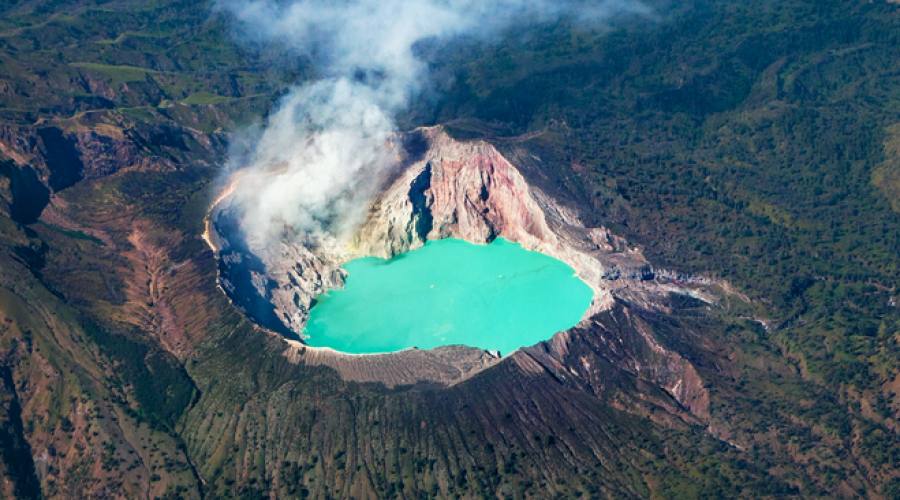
445,187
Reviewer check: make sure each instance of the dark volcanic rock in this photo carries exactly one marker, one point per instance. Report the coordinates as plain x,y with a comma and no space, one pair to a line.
29,195
16,463
62,157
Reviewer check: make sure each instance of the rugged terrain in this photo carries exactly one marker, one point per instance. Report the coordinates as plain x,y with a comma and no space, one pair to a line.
753,145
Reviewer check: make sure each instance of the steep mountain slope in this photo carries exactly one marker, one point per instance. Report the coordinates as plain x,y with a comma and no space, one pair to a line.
751,144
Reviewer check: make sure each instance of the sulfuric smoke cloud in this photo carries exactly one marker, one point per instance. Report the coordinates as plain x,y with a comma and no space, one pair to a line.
311,171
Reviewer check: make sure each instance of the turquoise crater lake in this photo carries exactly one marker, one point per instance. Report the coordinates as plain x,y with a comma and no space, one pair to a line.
497,296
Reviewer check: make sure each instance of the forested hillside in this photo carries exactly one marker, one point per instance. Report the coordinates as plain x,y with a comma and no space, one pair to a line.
754,142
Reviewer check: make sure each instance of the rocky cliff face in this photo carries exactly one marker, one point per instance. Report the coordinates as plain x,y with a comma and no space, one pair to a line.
468,190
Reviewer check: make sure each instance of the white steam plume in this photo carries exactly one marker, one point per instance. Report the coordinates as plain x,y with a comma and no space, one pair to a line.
314,166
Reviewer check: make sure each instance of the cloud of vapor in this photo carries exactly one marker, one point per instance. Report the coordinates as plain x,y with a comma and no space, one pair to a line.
313,168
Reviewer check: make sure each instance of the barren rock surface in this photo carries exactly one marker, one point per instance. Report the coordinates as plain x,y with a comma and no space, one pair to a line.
446,365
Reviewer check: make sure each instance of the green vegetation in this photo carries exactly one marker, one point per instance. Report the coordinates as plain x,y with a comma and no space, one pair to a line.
117,74
119,55
756,142
886,176
204,99
79,235
162,388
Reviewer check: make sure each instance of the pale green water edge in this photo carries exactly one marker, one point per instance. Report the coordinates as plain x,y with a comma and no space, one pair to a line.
497,296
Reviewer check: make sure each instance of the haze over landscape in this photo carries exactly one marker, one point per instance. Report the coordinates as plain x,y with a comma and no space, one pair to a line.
449,249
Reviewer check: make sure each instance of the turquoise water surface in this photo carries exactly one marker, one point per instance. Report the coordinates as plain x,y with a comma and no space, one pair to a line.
497,296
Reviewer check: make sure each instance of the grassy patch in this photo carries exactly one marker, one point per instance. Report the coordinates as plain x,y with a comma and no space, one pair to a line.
204,99
129,34
886,176
116,73
75,234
